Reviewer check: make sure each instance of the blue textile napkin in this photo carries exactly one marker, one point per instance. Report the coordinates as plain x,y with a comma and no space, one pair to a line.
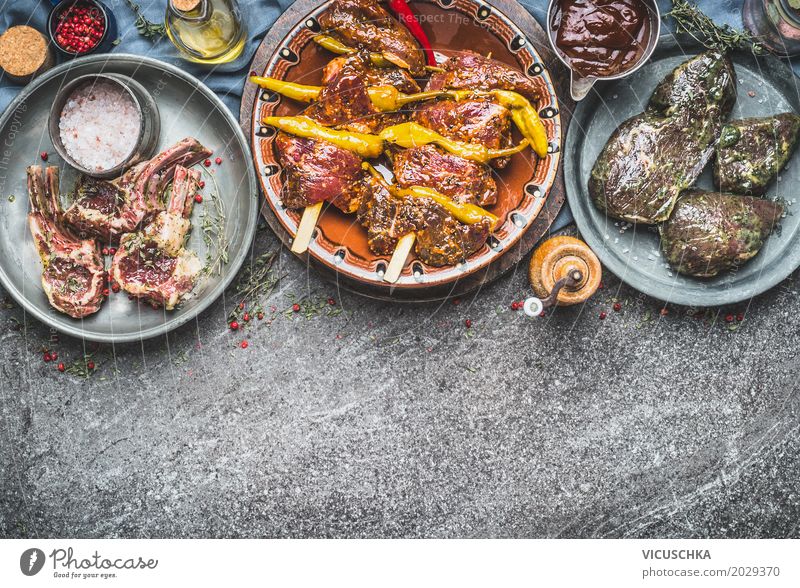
227,80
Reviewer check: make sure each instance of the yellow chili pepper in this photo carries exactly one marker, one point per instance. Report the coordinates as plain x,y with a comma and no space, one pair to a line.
410,134
469,214
525,118
361,143
389,98
336,46
291,90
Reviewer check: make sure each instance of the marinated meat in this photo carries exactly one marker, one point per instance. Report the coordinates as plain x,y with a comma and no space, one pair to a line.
710,232
752,151
472,121
107,209
73,269
456,177
470,71
444,240
319,171
386,217
441,239
344,101
153,264
364,24
652,157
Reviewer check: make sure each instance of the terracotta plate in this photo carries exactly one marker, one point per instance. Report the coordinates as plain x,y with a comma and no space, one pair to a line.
340,243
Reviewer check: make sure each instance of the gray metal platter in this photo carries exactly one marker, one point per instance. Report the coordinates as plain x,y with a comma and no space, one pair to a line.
765,86
187,108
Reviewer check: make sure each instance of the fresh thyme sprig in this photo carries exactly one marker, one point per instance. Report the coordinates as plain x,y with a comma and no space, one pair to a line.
692,21
255,286
146,28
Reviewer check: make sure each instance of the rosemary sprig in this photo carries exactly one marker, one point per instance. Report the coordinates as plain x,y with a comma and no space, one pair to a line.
213,225
255,286
146,28
692,21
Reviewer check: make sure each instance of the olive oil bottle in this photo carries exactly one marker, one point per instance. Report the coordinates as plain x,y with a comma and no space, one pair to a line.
206,31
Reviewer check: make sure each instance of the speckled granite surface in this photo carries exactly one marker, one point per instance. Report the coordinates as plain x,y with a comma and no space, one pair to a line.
397,420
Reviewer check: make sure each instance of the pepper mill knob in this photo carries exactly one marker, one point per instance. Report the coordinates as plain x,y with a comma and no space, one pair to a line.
563,271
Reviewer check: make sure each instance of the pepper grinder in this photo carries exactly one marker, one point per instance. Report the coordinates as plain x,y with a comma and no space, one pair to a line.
206,31
563,271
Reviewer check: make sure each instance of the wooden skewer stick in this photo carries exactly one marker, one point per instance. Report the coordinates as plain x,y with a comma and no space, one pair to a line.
398,261
306,228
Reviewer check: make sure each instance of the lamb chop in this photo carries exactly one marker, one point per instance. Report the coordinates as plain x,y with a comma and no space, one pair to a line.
461,179
344,101
153,264
364,24
73,269
471,71
108,209
440,238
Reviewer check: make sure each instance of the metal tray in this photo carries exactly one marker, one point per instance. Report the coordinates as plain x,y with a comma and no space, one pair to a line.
765,86
188,108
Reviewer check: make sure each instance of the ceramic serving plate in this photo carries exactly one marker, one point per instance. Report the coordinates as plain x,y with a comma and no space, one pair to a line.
340,244
765,86
187,108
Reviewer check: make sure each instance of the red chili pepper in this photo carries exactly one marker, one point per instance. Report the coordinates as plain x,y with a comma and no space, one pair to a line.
409,18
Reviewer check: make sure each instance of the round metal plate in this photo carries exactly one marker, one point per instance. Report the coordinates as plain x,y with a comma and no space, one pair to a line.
339,247
765,86
188,108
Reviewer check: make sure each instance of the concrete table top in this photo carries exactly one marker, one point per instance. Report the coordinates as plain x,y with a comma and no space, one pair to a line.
391,420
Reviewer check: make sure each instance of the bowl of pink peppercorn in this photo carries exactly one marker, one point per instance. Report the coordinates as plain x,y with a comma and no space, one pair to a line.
81,27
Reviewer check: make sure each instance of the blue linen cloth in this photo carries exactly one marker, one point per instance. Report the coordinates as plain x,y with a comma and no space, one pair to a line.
227,80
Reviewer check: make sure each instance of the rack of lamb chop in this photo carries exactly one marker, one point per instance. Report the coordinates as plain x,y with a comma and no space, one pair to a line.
73,269
153,264
108,209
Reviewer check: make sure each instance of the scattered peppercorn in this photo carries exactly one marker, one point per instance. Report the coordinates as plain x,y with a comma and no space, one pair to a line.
468,323
600,286
663,312
62,367
456,301
207,163
246,317
106,292
43,155
331,301
728,318
234,325
105,250
198,198
202,184
90,365
218,160
253,73
740,317
115,288
53,355
112,250
543,313
617,307
244,344
47,357
603,316
296,307
260,316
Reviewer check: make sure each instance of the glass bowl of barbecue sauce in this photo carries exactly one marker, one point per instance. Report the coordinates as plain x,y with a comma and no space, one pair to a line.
602,39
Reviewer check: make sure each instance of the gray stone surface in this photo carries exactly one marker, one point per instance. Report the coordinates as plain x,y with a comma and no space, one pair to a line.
396,420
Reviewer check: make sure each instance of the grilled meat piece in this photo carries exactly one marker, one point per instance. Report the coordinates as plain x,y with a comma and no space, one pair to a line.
710,232
153,264
470,71
108,209
441,239
364,24
456,177
344,101
73,269
386,217
472,121
652,157
319,171
752,151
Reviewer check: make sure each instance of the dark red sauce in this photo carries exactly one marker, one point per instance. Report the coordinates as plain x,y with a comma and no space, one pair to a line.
601,37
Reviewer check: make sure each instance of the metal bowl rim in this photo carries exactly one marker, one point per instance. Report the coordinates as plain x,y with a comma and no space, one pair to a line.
236,262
